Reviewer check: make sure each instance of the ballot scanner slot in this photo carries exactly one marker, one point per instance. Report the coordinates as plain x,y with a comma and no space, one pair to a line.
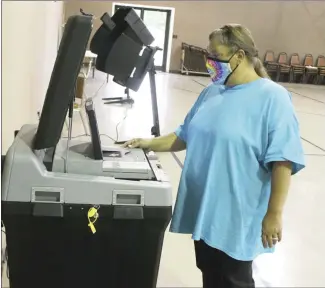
112,154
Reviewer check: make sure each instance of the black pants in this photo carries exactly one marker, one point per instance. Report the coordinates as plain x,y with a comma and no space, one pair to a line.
220,270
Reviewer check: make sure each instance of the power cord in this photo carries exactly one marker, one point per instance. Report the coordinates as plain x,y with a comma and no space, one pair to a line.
109,137
96,93
6,256
116,128
118,124
5,259
86,135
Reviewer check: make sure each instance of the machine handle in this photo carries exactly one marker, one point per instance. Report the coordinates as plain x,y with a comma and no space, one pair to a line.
47,201
128,198
47,195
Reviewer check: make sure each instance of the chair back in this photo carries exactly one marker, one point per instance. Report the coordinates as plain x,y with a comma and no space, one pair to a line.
283,58
269,56
294,60
320,61
309,61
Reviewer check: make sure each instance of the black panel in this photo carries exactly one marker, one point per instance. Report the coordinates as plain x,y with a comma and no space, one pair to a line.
62,252
118,43
97,152
142,11
61,87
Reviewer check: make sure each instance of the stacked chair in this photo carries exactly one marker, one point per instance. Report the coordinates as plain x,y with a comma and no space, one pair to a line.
320,64
310,71
293,70
270,64
283,69
297,70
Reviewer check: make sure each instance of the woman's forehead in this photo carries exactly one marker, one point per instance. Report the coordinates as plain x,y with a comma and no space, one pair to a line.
216,48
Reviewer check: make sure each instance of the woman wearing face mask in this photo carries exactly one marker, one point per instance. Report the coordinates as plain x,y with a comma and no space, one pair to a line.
242,146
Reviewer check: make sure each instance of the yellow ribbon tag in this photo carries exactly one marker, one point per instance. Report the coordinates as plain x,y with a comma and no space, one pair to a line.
92,213
92,227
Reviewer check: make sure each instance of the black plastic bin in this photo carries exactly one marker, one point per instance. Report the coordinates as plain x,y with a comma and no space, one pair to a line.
55,252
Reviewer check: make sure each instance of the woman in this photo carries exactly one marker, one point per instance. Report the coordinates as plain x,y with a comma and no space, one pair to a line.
242,145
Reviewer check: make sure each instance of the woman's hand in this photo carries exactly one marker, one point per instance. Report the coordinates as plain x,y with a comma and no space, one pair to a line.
167,143
272,223
138,143
271,229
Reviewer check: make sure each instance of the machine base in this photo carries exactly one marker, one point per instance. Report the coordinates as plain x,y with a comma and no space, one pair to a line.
62,252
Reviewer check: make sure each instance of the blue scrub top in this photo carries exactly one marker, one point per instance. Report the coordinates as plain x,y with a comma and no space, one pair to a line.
232,135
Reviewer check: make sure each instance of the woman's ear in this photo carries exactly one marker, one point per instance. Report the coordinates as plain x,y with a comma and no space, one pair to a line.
240,55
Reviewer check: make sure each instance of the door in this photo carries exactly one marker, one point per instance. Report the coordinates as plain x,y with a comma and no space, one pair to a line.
158,23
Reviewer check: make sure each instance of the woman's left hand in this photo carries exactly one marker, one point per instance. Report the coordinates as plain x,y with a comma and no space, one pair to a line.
271,229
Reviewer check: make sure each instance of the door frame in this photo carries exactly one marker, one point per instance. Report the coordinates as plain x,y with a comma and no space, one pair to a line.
169,27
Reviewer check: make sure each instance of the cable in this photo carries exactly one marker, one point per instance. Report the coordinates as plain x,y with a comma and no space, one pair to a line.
5,260
116,128
118,124
6,256
96,93
86,135
108,137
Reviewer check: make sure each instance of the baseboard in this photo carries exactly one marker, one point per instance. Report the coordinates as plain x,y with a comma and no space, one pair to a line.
175,71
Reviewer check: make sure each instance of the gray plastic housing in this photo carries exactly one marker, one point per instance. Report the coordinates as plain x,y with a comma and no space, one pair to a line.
131,164
25,179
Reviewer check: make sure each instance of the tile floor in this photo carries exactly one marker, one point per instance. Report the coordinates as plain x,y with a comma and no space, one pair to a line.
299,259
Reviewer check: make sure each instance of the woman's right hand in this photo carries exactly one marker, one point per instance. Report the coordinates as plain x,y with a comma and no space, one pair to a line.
138,143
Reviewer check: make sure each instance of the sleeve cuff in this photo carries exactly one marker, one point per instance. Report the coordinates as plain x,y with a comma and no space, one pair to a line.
180,133
297,164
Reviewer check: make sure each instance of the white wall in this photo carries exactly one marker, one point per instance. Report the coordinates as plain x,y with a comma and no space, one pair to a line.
29,46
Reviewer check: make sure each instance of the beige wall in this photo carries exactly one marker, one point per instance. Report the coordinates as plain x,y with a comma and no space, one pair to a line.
290,26
29,46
